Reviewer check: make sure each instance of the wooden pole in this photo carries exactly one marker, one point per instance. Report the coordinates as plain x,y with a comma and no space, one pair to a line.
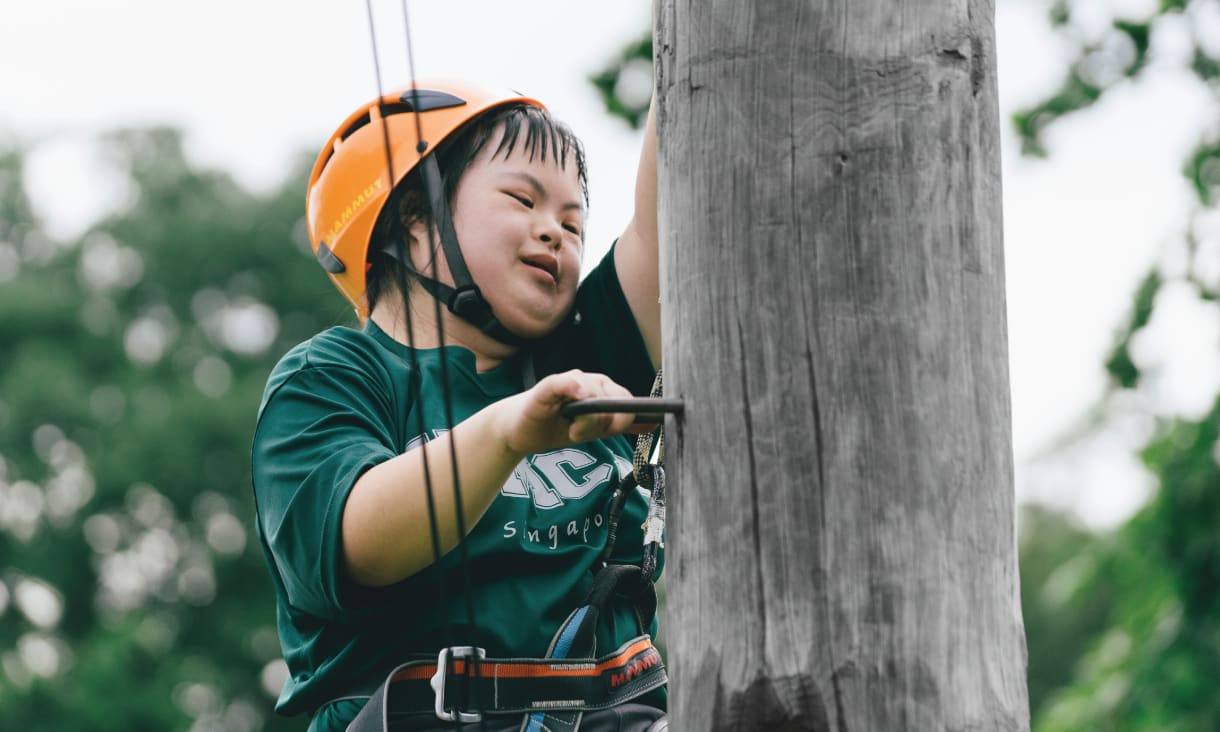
842,550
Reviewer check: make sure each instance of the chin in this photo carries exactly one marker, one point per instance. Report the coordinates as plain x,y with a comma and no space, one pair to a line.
536,319
533,327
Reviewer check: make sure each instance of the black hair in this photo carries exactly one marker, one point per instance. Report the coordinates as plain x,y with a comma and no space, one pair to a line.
544,136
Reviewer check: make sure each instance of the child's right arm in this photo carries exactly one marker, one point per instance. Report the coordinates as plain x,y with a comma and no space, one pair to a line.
386,531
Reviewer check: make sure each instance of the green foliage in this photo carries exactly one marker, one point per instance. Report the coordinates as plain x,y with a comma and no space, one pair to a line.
1145,600
1138,35
1203,171
1122,53
1060,14
1075,94
1187,512
1152,665
1119,365
607,81
1062,607
1204,66
133,365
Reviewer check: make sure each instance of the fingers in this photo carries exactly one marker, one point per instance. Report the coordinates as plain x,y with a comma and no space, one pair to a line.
572,386
588,427
577,385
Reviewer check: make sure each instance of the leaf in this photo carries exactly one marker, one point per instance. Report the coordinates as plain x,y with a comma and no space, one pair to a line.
606,82
1204,66
1203,171
1059,14
1073,95
1120,365
1138,33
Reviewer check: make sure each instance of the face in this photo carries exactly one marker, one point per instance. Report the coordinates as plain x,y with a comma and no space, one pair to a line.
519,223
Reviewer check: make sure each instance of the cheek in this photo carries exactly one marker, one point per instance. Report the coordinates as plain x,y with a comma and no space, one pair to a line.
483,247
572,259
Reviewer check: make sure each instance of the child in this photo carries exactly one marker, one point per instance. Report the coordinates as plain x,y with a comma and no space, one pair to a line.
354,459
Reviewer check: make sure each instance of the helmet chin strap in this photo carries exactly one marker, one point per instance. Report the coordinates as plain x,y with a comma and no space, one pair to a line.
464,299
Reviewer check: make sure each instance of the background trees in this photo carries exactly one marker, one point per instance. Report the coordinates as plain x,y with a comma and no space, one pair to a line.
1149,590
132,590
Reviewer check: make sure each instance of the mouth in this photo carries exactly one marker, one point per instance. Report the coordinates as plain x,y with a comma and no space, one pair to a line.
543,263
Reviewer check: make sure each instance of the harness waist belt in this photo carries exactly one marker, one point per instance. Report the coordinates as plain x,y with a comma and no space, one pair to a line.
463,685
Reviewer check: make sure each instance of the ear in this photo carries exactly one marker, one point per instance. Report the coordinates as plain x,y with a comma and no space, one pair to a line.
421,245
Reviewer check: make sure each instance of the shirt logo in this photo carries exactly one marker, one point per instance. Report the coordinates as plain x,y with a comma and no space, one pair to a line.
552,479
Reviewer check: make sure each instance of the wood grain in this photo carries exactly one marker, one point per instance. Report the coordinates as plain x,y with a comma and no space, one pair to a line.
842,551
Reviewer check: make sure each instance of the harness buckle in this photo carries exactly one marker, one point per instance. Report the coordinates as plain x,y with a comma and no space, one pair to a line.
438,683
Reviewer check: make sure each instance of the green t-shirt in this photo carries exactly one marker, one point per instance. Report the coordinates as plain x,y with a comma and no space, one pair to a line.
340,403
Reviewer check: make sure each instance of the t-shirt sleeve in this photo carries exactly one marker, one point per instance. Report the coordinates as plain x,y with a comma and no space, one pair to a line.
316,435
606,339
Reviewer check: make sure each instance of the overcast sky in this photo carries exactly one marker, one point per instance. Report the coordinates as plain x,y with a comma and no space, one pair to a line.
256,83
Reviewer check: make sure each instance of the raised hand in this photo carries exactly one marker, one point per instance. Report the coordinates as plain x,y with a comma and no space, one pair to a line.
531,421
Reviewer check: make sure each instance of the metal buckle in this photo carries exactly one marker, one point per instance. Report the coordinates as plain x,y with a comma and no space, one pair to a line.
438,683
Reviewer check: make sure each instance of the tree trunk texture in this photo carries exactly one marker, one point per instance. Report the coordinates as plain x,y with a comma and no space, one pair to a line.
842,550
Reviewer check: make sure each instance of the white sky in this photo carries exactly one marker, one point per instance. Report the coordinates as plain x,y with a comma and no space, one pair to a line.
255,83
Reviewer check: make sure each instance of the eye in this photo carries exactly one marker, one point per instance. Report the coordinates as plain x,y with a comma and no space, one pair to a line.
572,228
523,200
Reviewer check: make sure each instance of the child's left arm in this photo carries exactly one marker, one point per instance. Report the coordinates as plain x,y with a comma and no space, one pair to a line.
635,255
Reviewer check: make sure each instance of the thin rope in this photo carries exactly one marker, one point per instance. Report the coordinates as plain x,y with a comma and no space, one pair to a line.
435,186
644,443
414,386
651,475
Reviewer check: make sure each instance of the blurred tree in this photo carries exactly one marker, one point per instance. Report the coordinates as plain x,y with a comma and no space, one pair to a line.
625,82
1063,613
133,593
1150,664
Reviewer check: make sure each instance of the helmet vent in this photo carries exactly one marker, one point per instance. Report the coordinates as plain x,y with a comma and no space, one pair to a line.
328,260
428,100
396,108
361,122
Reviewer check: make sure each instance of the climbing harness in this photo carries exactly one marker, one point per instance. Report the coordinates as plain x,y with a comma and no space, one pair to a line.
462,684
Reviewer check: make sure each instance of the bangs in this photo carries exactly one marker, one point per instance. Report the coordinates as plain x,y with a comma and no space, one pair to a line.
545,138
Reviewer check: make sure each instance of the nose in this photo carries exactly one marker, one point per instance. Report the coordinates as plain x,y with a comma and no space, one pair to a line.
549,231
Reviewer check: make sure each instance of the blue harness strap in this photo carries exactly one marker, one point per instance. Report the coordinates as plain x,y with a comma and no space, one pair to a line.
561,646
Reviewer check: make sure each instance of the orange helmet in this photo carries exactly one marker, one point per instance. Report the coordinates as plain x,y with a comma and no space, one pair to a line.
350,182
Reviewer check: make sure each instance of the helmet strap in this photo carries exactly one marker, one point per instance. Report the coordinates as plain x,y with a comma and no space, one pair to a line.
441,217
464,299
468,304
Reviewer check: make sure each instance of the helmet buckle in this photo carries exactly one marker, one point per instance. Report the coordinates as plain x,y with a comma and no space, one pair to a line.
468,303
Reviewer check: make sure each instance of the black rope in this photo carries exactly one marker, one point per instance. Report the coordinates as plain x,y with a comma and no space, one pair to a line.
395,231
398,243
436,188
